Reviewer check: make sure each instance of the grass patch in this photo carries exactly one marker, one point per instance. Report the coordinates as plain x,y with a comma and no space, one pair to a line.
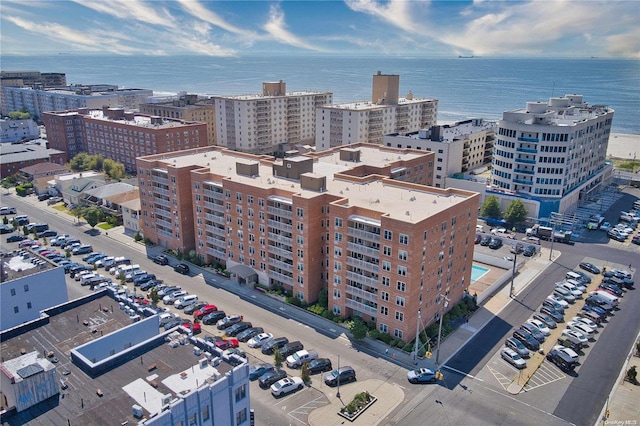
61,208
105,226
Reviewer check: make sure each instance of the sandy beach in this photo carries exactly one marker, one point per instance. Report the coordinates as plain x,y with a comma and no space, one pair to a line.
623,146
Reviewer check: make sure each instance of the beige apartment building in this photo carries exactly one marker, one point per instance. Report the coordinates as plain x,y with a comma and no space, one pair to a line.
369,121
358,220
271,122
186,107
120,135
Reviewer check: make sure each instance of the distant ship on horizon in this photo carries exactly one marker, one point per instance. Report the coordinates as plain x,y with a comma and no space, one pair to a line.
465,57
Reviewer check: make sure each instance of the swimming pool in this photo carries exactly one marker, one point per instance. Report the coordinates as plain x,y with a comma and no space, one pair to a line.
477,272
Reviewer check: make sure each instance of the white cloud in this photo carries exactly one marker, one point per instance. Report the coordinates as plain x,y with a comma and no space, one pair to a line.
277,28
200,12
132,10
625,45
399,13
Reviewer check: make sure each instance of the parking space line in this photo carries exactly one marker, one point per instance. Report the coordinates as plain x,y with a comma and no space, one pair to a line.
543,376
503,380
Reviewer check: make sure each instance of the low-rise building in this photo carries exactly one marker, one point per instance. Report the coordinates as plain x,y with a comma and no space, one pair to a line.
131,214
14,157
14,130
44,169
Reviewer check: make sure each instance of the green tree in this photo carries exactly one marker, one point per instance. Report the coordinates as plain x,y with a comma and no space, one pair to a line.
516,212
153,295
277,359
5,220
491,208
19,115
113,169
78,212
137,236
25,230
94,215
304,373
323,298
358,329
78,162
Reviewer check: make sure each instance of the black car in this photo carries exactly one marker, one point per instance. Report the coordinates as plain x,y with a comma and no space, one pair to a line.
213,317
141,279
43,197
15,238
535,331
586,279
620,282
486,240
495,243
249,333
590,267
270,377
6,229
562,360
236,328
274,344
181,268
47,233
557,316
527,339
599,303
291,348
319,365
477,239
344,375
529,251
613,289
173,323
149,284
161,259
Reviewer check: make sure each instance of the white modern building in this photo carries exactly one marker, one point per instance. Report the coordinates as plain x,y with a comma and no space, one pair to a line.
38,101
551,154
369,121
270,122
461,147
28,286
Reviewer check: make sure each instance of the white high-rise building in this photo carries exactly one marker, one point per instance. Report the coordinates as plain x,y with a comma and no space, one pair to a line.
272,121
369,121
552,153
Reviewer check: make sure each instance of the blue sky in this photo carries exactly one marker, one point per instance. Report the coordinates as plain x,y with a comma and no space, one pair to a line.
544,28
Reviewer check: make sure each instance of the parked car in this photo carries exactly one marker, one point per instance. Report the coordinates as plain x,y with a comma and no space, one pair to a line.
47,233
477,239
540,326
529,251
553,304
54,200
204,311
6,229
421,375
495,243
228,321
161,259
565,294
582,328
591,324
567,343
16,238
513,358
259,340
557,316
562,360
249,333
189,310
257,370
213,317
319,365
226,343
575,336
273,344
7,210
516,345
85,248
300,357
171,298
236,328
290,348
486,240
611,288
344,375
181,268
168,290
193,328
271,377
287,385
143,278
527,339
184,301
590,267
535,332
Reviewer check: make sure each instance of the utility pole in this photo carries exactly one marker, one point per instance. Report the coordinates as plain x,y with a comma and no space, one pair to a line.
338,393
445,304
553,238
513,271
415,348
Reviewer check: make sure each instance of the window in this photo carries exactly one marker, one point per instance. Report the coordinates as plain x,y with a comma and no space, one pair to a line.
15,310
336,293
249,199
402,271
384,310
261,202
241,392
386,250
300,266
397,333
338,222
28,305
192,419
399,316
13,291
386,266
337,251
404,239
299,212
241,416
238,196
388,235
400,301
402,254
386,281
383,328
337,280
401,286
337,266
205,413
338,237
26,288
300,226
336,310
384,296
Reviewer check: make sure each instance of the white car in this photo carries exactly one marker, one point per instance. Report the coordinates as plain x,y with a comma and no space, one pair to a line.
540,326
257,341
581,327
286,385
559,299
575,291
575,336
513,358
592,325
169,299
606,226
565,294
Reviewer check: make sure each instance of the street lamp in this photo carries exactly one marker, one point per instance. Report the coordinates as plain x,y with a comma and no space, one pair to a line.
338,393
444,306
415,348
513,271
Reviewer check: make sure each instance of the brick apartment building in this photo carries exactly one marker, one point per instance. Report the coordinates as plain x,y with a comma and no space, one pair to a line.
359,220
120,135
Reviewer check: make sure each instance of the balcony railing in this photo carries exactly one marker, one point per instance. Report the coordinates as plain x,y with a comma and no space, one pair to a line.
522,139
217,253
527,150
362,279
361,307
213,194
215,230
279,225
280,277
372,297
279,212
356,263
526,172
523,182
280,264
525,161
365,235
280,239
280,251
359,248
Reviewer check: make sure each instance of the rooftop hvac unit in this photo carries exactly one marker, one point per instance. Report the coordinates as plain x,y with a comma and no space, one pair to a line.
137,411
166,399
203,363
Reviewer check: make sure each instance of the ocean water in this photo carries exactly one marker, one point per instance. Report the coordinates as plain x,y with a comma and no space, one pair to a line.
465,87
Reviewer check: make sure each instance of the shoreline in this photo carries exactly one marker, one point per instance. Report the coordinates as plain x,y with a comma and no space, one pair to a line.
623,146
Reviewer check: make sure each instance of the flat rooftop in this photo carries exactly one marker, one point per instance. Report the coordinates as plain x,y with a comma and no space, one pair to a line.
386,197
123,386
252,97
21,263
141,120
368,105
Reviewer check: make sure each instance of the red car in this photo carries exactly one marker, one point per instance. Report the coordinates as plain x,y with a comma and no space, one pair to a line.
226,343
194,328
205,310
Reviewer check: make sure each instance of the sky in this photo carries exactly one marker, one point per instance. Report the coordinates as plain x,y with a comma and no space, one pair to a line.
418,28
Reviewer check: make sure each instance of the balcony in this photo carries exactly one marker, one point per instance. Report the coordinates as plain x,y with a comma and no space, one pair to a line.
526,172
214,206
162,222
527,150
280,212
365,266
219,242
164,233
160,179
365,235
281,265
355,291
525,161
523,182
522,139
280,239
215,230
362,279
161,191
213,194
214,218
281,277
279,251
280,225
162,202
369,251
361,307
220,254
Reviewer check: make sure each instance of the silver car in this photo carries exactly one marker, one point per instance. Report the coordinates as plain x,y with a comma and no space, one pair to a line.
513,358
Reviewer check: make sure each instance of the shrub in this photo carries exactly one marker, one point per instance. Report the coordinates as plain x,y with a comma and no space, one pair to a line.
632,375
137,236
316,309
407,347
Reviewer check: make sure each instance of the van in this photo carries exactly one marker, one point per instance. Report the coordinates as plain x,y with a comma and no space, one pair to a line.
610,298
117,261
123,270
573,276
185,301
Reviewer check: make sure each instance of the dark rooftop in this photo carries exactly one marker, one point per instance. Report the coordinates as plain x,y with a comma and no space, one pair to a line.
23,262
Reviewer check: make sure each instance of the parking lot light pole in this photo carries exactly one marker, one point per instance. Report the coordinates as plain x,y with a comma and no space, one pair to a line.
444,306
415,349
513,272
338,393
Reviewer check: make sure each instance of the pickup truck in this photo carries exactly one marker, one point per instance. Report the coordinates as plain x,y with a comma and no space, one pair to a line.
299,358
